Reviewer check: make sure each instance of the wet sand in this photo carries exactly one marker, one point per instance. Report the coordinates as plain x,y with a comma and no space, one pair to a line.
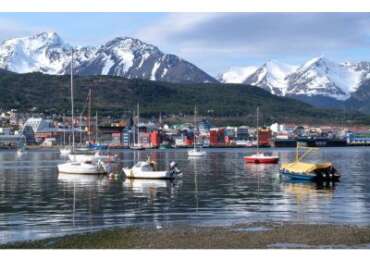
251,236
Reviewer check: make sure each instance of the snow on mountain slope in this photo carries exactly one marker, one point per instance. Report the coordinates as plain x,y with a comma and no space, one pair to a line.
236,74
271,76
44,52
320,76
316,77
122,56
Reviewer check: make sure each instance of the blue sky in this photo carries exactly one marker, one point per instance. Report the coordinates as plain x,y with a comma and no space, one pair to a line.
212,41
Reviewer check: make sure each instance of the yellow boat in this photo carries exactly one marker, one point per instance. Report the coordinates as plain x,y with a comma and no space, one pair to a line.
298,170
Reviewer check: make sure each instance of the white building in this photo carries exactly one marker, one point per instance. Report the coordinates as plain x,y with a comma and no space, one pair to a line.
276,128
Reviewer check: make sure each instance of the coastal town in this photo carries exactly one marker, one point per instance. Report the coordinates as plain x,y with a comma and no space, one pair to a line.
32,130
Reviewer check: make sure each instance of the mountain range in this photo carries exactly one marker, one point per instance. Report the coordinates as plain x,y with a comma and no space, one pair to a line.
319,81
123,56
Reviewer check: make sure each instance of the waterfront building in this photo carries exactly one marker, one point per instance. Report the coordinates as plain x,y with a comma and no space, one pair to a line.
265,136
204,126
358,138
242,133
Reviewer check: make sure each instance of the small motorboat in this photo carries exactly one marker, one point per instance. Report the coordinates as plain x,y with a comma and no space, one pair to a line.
147,170
196,153
137,147
261,158
298,170
87,167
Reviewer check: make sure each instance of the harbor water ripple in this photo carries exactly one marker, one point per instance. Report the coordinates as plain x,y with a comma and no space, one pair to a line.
220,189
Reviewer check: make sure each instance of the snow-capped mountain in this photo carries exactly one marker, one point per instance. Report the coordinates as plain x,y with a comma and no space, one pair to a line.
122,56
271,76
320,76
316,77
236,74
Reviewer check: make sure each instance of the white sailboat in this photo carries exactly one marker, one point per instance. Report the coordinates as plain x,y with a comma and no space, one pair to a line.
196,151
138,145
80,167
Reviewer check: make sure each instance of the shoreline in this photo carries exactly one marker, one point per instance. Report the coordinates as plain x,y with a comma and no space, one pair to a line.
243,236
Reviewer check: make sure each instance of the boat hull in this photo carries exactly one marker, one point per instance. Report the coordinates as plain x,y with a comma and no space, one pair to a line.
136,174
257,160
310,177
193,153
298,176
80,168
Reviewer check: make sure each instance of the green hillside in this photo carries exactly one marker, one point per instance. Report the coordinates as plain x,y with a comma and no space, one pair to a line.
115,96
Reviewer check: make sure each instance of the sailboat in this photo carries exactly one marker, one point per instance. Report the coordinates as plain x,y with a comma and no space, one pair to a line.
259,157
80,167
138,145
196,151
308,171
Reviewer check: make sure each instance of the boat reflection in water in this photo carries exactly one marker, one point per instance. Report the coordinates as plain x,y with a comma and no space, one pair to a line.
260,168
151,187
304,190
81,178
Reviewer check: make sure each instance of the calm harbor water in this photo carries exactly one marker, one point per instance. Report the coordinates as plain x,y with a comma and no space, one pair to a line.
37,202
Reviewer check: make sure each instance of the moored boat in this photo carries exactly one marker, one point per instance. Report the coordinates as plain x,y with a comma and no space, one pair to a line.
87,167
147,170
298,170
196,151
82,164
259,157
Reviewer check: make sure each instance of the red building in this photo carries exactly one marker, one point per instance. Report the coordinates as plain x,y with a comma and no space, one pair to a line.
188,141
155,139
217,136
264,135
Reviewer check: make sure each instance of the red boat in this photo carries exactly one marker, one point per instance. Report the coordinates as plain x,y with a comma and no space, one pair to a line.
261,158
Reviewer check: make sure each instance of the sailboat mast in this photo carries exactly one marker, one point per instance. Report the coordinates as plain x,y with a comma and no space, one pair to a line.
138,122
64,132
72,104
258,139
89,117
96,127
195,123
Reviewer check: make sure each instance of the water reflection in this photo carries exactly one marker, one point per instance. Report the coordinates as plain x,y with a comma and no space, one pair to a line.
220,189
309,191
149,187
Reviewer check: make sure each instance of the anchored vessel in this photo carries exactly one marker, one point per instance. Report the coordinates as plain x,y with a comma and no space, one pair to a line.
298,170
196,151
259,157
80,165
147,170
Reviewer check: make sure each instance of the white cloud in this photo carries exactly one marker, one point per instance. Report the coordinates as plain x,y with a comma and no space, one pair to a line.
260,34
10,29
